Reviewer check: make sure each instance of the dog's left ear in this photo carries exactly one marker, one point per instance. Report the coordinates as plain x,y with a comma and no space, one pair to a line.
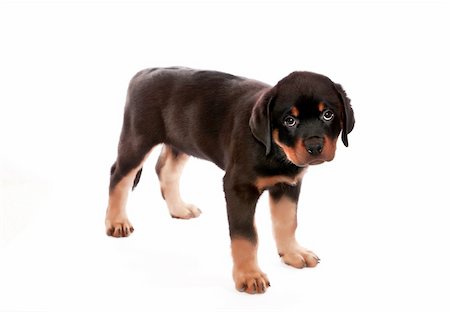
260,120
349,118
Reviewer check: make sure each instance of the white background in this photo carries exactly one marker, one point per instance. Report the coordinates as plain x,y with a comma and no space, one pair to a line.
378,215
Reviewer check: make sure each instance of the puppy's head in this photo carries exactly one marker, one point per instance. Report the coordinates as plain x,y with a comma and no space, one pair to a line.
302,117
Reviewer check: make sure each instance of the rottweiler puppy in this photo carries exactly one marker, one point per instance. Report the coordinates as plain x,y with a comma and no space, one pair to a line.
263,137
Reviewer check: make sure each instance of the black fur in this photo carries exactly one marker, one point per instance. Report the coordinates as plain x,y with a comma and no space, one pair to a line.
230,121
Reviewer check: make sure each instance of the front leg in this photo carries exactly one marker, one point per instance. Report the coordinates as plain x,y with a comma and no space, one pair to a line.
283,208
241,203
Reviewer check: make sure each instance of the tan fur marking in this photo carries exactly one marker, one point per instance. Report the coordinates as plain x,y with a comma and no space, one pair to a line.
116,220
289,151
329,148
284,221
169,178
247,275
295,112
322,106
263,183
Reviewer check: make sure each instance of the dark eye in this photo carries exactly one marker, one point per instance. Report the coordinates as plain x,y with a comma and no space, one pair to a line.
290,121
327,115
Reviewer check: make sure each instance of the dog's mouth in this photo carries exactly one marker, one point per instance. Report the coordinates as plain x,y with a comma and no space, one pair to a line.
316,162
310,161
307,161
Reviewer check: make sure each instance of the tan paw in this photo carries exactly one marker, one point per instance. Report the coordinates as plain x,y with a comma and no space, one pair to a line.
300,258
119,227
184,211
251,281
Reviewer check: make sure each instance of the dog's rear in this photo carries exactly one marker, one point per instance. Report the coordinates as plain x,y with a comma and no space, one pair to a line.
192,112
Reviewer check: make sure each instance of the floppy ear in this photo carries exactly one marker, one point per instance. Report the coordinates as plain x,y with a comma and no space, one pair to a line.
260,120
349,118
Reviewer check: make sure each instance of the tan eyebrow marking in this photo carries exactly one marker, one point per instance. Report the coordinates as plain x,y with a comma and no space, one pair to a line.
322,106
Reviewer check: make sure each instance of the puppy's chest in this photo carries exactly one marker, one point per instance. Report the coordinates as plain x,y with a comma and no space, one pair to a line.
265,182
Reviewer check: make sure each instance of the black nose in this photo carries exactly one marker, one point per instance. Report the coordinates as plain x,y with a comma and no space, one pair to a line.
314,145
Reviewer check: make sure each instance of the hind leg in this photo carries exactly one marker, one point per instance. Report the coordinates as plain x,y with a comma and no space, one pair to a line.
123,173
169,168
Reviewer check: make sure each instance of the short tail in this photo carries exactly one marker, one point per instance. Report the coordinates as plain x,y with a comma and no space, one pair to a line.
136,179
